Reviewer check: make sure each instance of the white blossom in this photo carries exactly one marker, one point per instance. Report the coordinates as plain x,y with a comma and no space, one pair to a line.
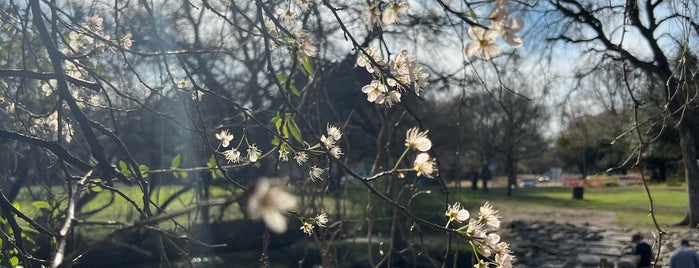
269,200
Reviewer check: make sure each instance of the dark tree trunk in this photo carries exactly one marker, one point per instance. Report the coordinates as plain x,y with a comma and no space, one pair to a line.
511,171
691,171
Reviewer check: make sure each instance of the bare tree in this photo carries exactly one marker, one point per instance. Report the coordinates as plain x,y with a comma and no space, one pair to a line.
651,36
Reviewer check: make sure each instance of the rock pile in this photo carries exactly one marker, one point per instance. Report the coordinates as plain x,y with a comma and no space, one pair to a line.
554,245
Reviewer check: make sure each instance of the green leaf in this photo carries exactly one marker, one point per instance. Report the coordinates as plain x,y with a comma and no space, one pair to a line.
144,170
124,168
278,125
42,204
95,188
212,162
275,141
294,89
28,230
217,174
283,80
14,261
307,65
16,205
183,174
285,130
176,161
295,130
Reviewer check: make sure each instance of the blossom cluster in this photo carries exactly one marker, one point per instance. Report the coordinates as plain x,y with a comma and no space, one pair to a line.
49,125
286,22
233,154
329,142
386,87
481,233
501,25
92,38
320,220
390,14
424,165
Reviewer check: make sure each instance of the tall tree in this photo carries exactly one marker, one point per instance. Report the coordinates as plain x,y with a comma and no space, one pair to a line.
651,36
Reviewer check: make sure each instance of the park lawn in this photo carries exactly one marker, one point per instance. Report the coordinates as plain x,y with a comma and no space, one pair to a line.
97,217
631,203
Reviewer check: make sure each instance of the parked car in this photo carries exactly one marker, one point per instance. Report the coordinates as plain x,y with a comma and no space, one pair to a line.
544,179
527,182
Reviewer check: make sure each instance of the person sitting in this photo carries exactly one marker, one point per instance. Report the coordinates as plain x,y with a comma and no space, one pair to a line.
642,251
684,256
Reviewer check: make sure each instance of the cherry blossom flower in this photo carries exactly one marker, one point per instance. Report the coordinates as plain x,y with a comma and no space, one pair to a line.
305,5
77,41
475,230
509,29
419,78
94,23
329,142
390,15
364,60
374,15
10,108
316,173
401,62
409,71
286,15
73,70
253,153
504,260
489,217
375,91
307,228
321,219
269,200
483,42
456,213
336,152
182,83
197,95
271,27
301,158
498,15
391,98
424,165
307,48
225,137
126,41
418,140
233,155
283,154
481,264
334,132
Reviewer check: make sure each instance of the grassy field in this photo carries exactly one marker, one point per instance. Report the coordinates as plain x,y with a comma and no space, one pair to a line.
630,203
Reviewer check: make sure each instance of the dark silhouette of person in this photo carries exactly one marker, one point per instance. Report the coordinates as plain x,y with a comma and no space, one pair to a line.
643,251
473,175
485,176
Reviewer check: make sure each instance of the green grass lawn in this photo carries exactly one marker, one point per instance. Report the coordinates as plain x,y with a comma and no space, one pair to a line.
631,203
